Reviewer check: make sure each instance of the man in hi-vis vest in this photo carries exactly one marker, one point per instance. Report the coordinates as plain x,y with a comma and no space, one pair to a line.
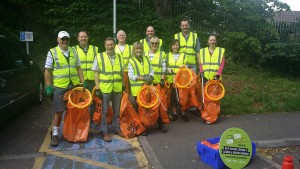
189,44
87,54
150,32
108,67
62,73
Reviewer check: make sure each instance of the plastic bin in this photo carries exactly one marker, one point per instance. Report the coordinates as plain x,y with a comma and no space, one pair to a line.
212,157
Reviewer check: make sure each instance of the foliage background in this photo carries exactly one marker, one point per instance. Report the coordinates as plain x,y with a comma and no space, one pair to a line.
261,63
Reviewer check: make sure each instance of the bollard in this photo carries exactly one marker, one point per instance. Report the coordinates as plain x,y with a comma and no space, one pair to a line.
288,162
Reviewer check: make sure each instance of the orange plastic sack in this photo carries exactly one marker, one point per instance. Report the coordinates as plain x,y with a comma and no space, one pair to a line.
163,108
98,112
130,123
126,81
208,144
213,92
77,117
147,99
185,78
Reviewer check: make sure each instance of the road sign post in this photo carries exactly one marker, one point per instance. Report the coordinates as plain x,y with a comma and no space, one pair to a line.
26,37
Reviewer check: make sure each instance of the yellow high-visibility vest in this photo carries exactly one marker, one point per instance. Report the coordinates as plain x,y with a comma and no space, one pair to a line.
87,61
174,65
188,47
125,54
64,72
110,76
147,46
211,64
156,64
139,70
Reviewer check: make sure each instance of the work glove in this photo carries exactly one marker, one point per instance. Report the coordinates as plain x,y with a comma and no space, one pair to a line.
217,77
99,94
49,91
84,84
162,82
148,79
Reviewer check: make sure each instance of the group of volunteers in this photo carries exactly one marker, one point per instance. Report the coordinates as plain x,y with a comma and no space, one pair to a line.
144,62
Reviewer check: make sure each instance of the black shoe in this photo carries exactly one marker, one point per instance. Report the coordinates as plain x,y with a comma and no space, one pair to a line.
163,128
54,141
173,116
185,118
145,133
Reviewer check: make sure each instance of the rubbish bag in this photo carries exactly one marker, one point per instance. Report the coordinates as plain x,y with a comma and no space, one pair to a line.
148,101
130,123
98,110
213,92
163,106
77,117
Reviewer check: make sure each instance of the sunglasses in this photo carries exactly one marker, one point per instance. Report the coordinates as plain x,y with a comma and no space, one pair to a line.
65,39
154,43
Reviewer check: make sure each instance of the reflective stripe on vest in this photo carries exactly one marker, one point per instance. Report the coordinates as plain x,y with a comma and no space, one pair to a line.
147,46
188,47
64,72
211,64
87,61
110,76
174,65
156,64
139,70
125,54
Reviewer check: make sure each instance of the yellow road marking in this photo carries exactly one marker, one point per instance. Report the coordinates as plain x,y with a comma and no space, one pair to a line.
139,154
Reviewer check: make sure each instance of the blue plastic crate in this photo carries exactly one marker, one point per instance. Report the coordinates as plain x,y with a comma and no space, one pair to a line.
211,156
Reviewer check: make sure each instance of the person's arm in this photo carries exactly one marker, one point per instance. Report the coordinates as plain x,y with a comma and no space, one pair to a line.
197,50
96,71
131,74
163,69
221,66
48,70
80,74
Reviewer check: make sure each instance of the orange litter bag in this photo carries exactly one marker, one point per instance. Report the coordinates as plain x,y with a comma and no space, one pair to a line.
163,108
77,117
147,99
130,123
98,111
213,92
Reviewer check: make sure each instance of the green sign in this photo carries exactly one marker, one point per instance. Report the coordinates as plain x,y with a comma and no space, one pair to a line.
235,148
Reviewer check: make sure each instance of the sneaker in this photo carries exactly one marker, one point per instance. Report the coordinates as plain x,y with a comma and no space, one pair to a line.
173,116
207,122
185,118
163,128
145,133
54,141
119,133
106,138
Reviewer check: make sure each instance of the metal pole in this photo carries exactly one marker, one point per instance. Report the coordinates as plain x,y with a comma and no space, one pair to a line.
27,47
114,18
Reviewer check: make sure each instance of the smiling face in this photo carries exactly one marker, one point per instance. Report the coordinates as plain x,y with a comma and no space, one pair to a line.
83,39
150,32
154,44
212,41
185,26
63,43
110,46
175,47
121,36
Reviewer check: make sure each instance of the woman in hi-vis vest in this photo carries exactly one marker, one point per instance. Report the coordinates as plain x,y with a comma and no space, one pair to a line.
212,61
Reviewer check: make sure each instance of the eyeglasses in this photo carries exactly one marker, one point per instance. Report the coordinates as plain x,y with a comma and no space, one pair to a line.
67,39
154,43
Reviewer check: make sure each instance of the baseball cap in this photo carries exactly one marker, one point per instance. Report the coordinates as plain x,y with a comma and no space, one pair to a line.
62,34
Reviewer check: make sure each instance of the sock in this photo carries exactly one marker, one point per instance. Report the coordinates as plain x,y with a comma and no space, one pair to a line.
55,131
